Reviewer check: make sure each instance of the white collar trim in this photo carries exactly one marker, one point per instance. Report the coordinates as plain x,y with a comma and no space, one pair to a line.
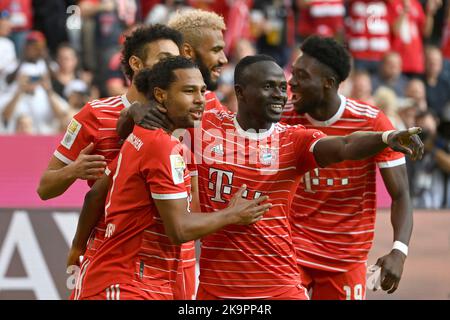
125,101
333,119
252,134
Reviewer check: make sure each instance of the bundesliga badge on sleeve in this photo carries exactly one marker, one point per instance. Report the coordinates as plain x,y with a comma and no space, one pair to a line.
267,155
178,166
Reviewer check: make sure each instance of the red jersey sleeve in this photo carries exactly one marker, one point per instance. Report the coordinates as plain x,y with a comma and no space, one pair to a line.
212,102
304,142
387,158
81,131
164,170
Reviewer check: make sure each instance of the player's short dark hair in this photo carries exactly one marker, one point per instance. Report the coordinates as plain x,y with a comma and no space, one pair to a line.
135,43
161,75
330,53
244,63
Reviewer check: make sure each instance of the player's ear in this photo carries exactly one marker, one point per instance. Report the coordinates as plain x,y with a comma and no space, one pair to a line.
239,91
188,51
160,96
135,64
329,82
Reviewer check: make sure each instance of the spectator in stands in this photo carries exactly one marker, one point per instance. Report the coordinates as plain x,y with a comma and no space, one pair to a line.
278,37
390,74
77,93
7,50
110,18
320,17
162,12
225,90
437,83
386,99
238,25
66,69
409,24
407,111
362,87
25,125
21,20
446,34
49,17
30,91
415,90
429,178
368,33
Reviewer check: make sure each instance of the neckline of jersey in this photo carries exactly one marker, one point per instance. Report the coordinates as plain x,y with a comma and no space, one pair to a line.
253,135
333,119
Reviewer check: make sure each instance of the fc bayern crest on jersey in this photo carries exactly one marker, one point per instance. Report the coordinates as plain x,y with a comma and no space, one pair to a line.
267,155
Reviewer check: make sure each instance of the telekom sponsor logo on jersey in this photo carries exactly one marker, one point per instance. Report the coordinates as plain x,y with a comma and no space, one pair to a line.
262,149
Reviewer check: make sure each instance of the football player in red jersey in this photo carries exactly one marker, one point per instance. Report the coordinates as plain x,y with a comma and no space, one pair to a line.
203,42
147,210
91,140
334,209
259,261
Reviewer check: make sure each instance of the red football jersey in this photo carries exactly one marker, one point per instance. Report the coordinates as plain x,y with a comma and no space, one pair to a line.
136,249
324,17
95,122
408,42
333,212
445,46
212,102
368,30
256,261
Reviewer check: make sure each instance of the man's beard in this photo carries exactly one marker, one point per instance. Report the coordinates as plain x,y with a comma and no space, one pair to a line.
206,73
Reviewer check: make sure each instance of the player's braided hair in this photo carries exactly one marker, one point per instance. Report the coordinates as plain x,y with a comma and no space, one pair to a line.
161,75
330,53
135,43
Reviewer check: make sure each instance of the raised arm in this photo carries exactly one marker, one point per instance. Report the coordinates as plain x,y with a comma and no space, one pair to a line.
361,145
182,226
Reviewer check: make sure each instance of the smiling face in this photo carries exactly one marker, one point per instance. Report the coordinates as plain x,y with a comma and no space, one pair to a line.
307,83
185,98
209,56
265,91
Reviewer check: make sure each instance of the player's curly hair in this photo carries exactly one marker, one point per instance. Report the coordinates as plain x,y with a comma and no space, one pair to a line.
135,43
329,52
191,22
161,75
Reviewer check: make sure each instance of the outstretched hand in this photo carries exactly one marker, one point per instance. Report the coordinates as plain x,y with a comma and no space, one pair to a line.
407,141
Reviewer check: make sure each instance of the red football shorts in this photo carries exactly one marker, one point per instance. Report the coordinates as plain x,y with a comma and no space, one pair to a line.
184,288
127,292
295,293
330,285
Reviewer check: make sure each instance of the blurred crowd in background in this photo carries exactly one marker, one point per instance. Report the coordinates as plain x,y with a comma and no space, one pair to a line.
55,55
